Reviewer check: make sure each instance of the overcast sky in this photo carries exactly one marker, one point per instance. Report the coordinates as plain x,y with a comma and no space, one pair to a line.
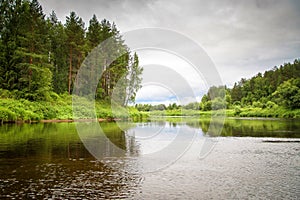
241,37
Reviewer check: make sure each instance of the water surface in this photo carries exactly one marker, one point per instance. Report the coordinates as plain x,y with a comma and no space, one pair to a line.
251,159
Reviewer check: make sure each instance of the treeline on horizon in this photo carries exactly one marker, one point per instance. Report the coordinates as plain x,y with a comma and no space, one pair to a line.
274,90
40,56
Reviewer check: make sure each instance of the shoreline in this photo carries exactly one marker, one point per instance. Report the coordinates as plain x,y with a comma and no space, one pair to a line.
128,119
76,120
60,121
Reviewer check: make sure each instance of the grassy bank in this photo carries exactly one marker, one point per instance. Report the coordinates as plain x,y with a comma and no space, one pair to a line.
278,112
60,108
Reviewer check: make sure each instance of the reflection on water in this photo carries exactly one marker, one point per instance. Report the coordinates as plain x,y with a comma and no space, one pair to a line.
50,161
284,128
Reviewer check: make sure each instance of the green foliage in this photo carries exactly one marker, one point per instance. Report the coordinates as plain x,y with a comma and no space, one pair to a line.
216,98
271,105
39,56
7,115
275,112
58,54
257,104
39,85
206,106
276,93
192,106
159,107
74,29
60,107
7,94
218,103
24,65
173,106
288,93
260,89
144,107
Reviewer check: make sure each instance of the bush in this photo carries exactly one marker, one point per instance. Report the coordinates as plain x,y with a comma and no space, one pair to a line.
206,106
257,104
218,103
271,104
7,115
237,110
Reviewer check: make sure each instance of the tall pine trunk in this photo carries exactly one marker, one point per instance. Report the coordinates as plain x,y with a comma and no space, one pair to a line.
70,71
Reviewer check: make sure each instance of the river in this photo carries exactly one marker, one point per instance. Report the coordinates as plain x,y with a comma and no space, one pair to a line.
160,159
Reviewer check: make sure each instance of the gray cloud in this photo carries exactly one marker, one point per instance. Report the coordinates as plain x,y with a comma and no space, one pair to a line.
241,37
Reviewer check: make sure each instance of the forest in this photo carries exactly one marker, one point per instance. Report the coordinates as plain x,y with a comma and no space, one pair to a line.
275,93
40,57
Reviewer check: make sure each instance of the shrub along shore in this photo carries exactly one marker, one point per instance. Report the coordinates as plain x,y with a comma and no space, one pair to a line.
278,112
59,109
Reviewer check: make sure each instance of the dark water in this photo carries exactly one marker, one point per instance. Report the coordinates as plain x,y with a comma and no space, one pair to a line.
256,159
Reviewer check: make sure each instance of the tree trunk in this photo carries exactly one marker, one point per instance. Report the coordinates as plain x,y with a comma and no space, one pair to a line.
70,71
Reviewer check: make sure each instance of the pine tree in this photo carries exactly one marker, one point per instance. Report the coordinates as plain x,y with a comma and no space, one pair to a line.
94,33
9,29
58,54
24,56
35,75
75,41
134,80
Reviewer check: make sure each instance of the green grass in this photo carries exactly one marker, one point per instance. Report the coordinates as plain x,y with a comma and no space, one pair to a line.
60,108
278,112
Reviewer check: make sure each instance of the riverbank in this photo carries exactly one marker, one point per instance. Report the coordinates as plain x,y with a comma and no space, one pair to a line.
79,120
278,112
59,109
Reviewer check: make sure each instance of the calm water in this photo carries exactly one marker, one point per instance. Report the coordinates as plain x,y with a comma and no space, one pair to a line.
159,159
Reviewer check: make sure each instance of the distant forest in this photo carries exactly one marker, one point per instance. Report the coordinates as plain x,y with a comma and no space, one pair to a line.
281,85
40,56
277,87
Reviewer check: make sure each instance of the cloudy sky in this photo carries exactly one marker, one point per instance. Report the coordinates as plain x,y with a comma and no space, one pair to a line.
242,38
